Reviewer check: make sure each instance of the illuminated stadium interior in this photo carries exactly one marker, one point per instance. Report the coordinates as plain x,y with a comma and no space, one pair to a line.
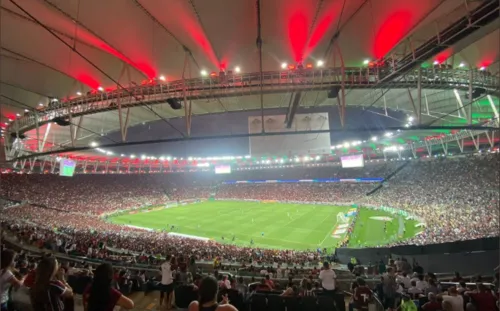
271,131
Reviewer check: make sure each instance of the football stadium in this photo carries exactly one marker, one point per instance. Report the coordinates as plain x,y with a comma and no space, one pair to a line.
252,155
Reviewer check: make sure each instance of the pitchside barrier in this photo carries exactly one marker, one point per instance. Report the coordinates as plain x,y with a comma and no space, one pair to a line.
453,256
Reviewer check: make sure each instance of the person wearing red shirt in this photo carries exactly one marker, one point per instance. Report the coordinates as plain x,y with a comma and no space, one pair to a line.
432,304
101,296
483,298
362,295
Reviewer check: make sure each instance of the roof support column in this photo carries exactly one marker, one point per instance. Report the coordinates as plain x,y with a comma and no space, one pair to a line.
419,94
37,129
491,139
469,108
476,142
47,131
341,99
123,125
415,111
493,107
187,104
77,130
460,105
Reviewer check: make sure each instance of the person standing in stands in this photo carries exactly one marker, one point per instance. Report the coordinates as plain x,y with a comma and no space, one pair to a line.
482,298
47,294
327,277
167,282
7,278
207,300
101,296
362,295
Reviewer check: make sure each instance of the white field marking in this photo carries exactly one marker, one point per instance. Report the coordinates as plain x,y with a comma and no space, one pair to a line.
329,233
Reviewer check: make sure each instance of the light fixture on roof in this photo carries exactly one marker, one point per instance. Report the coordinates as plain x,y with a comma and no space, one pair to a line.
237,69
366,62
388,134
169,158
435,62
374,138
482,68
100,88
109,152
18,114
410,119
79,93
162,78
132,156
347,145
26,110
284,65
143,157
461,65
203,72
40,104
407,125
93,144
122,155
320,63
162,158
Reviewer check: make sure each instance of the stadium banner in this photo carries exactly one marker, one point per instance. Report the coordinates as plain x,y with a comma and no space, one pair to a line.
318,180
301,143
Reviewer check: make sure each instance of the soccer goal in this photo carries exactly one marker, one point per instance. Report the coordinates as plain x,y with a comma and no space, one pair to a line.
341,219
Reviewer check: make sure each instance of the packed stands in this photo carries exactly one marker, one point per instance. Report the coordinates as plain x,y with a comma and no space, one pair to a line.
457,197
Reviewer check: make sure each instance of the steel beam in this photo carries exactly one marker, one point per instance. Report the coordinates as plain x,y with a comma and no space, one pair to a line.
469,107
187,104
460,105
415,111
341,99
419,95
493,107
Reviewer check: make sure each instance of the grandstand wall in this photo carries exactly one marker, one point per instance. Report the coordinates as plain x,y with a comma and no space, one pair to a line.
443,257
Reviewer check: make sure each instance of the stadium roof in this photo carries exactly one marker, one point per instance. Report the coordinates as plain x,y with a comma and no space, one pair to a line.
58,49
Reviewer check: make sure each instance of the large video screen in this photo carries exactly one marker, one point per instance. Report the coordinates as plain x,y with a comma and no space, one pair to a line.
223,169
67,167
352,161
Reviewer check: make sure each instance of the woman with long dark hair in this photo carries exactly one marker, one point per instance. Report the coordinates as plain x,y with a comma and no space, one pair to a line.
207,300
100,296
47,293
7,277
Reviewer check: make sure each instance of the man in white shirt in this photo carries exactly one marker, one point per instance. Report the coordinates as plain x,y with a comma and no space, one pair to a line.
167,283
327,277
456,301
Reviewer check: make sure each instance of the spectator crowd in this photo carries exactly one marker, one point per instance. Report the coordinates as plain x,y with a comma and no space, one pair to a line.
458,199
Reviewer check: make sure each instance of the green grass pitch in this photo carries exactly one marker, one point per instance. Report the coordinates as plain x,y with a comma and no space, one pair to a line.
271,225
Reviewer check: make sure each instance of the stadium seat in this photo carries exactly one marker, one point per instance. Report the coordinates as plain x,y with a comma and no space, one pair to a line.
236,299
275,303
258,302
326,303
309,304
291,304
